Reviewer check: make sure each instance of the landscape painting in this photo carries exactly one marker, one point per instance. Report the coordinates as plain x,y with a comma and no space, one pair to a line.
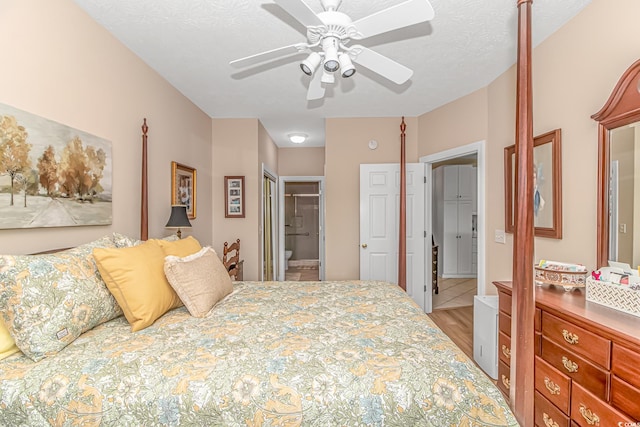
51,175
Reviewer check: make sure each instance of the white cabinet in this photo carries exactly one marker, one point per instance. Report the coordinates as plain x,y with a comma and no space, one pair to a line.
459,182
454,209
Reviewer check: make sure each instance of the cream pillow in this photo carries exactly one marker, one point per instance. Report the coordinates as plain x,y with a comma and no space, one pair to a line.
7,344
135,277
199,279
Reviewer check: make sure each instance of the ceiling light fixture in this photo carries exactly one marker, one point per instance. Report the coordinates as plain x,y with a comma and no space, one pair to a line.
330,47
346,66
310,64
297,138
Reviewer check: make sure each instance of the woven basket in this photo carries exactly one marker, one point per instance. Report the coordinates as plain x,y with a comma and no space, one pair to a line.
613,296
568,279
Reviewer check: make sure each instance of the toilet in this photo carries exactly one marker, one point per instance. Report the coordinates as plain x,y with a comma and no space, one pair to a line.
287,256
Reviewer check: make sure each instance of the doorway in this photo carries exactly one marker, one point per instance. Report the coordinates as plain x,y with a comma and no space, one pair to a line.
269,225
301,235
471,281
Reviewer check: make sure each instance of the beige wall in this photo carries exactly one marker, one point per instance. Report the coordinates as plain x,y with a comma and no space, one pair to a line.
574,72
304,161
60,64
460,122
235,153
346,148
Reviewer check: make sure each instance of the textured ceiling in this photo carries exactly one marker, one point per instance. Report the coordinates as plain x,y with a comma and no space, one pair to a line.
190,43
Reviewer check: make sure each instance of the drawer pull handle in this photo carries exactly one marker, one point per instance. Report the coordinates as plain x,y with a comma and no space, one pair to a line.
590,417
506,351
551,386
569,337
548,421
506,381
569,364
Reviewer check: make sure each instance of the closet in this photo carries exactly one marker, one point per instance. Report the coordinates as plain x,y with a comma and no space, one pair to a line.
454,219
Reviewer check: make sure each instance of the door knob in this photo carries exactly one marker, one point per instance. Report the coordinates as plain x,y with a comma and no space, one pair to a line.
364,245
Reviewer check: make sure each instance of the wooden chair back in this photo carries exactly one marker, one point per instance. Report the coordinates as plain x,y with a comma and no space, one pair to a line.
231,258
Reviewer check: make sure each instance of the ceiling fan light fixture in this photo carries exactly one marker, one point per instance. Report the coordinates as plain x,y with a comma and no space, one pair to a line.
346,66
309,65
297,138
330,47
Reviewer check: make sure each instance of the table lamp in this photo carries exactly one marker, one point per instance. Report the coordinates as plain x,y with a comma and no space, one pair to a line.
178,219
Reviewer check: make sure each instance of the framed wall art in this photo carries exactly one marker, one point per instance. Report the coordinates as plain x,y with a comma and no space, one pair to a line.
183,187
52,175
547,181
234,196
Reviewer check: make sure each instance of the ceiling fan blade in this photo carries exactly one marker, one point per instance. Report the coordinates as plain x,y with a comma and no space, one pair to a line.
399,16
301,12
380,64
316,90
269,55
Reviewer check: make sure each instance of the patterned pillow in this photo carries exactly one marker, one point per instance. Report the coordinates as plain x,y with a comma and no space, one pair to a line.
47,301
123,241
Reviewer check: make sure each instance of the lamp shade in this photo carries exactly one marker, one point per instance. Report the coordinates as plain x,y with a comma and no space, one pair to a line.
178,218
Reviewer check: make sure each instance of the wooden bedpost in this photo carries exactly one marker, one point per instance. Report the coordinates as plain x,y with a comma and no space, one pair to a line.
523,304
402,233
144,213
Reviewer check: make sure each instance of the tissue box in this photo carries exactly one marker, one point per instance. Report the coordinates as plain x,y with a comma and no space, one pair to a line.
613,296
568,279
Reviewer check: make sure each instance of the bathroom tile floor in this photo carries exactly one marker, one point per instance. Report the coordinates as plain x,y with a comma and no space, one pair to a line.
302,273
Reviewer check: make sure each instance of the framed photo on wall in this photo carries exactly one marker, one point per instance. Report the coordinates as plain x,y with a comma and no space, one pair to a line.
234,196
183,187
547,182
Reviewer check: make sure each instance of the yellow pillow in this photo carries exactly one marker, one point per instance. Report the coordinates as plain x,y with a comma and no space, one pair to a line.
7,345
180,248
135,277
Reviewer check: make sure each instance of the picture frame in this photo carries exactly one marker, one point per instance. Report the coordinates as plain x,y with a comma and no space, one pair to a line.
234,197
183,187
547,152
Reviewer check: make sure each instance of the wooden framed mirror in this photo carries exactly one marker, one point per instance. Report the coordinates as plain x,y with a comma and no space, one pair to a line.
618,235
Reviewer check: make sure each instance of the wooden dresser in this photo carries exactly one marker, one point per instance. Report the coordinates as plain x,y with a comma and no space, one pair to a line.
587,363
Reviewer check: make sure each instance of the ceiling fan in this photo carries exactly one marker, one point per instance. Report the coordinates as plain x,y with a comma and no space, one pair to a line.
328,37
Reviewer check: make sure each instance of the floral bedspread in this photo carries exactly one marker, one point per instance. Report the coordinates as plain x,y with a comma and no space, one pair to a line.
270,354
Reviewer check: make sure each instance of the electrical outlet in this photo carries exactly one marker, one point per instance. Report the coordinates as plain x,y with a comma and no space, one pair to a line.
500,237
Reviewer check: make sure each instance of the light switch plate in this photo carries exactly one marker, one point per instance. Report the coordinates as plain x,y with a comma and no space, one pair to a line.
500,237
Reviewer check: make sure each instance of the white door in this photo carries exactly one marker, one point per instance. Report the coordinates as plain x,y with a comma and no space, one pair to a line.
465,246
379,209
449,245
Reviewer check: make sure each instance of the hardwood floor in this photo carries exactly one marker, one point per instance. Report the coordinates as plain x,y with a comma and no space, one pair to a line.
457,323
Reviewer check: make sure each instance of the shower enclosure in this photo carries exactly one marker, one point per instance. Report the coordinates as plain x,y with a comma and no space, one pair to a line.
302,230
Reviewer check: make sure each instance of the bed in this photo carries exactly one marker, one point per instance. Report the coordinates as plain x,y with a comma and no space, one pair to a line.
270,354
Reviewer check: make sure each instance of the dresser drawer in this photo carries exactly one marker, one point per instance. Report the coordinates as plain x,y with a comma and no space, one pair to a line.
537,343
553,385
504,381
545,414
504,303
504,348
588,411
625,397
626,364
538,320
576,339
504,324
579,369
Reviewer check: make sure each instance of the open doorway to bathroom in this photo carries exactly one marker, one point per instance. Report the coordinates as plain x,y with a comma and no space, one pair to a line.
302,228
